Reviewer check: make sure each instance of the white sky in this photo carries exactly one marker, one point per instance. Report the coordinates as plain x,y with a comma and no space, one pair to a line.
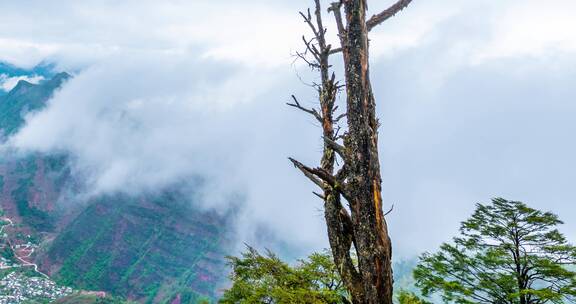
476,99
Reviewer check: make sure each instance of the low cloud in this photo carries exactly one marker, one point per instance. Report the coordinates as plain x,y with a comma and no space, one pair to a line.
139,123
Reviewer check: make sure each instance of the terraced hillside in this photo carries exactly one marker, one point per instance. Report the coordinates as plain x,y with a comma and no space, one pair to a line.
149,248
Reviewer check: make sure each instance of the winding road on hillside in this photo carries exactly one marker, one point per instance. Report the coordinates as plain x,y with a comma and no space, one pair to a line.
19,258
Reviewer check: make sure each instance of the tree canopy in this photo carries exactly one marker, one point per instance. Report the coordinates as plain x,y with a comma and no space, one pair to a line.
406,297
258,278
507,253
265,278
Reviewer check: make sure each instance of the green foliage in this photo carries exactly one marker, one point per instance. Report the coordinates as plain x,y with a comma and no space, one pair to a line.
36,218
7,253
507,253
266,279
25,171
406,297
152,252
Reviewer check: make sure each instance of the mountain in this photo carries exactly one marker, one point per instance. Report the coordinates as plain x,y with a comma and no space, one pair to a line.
155,247
10,74
30,185
25,98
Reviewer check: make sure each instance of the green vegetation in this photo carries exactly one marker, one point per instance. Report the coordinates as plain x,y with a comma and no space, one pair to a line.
36,218
507,253
258,278
153,251
266,279
406,297
7,253
29,177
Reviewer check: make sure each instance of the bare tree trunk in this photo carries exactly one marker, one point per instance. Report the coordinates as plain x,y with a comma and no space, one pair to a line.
361,143
358,179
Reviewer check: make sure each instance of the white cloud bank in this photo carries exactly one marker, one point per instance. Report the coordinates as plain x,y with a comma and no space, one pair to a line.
265,33
486,30
140,123
88,31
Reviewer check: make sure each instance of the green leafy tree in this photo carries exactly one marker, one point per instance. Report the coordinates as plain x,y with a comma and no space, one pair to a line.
265,278
507,253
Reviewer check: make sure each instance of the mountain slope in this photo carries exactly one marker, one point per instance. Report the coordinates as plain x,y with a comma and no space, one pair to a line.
26,98
147,248
154,247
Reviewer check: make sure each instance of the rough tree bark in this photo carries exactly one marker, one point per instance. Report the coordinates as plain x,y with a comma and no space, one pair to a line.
358,179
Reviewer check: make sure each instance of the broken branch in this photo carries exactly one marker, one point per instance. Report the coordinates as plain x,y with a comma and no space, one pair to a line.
335,8
322,197
313,112
386,14
308,172
335,51
337,119
308,20
335,146
320,177
391,208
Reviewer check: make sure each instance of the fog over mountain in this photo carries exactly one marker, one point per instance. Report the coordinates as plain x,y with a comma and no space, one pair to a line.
475,100
128,135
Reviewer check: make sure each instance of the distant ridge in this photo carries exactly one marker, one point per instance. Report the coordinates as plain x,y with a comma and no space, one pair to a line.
44,69
24,98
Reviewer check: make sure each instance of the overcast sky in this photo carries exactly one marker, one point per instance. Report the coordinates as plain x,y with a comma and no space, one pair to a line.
475,97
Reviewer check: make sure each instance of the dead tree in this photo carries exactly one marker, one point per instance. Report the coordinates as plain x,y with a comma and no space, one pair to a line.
359,226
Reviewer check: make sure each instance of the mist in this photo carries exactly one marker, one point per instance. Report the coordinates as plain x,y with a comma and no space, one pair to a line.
472,106
140,123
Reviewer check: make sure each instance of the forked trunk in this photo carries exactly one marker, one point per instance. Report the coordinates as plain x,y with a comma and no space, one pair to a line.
364,182
358,180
